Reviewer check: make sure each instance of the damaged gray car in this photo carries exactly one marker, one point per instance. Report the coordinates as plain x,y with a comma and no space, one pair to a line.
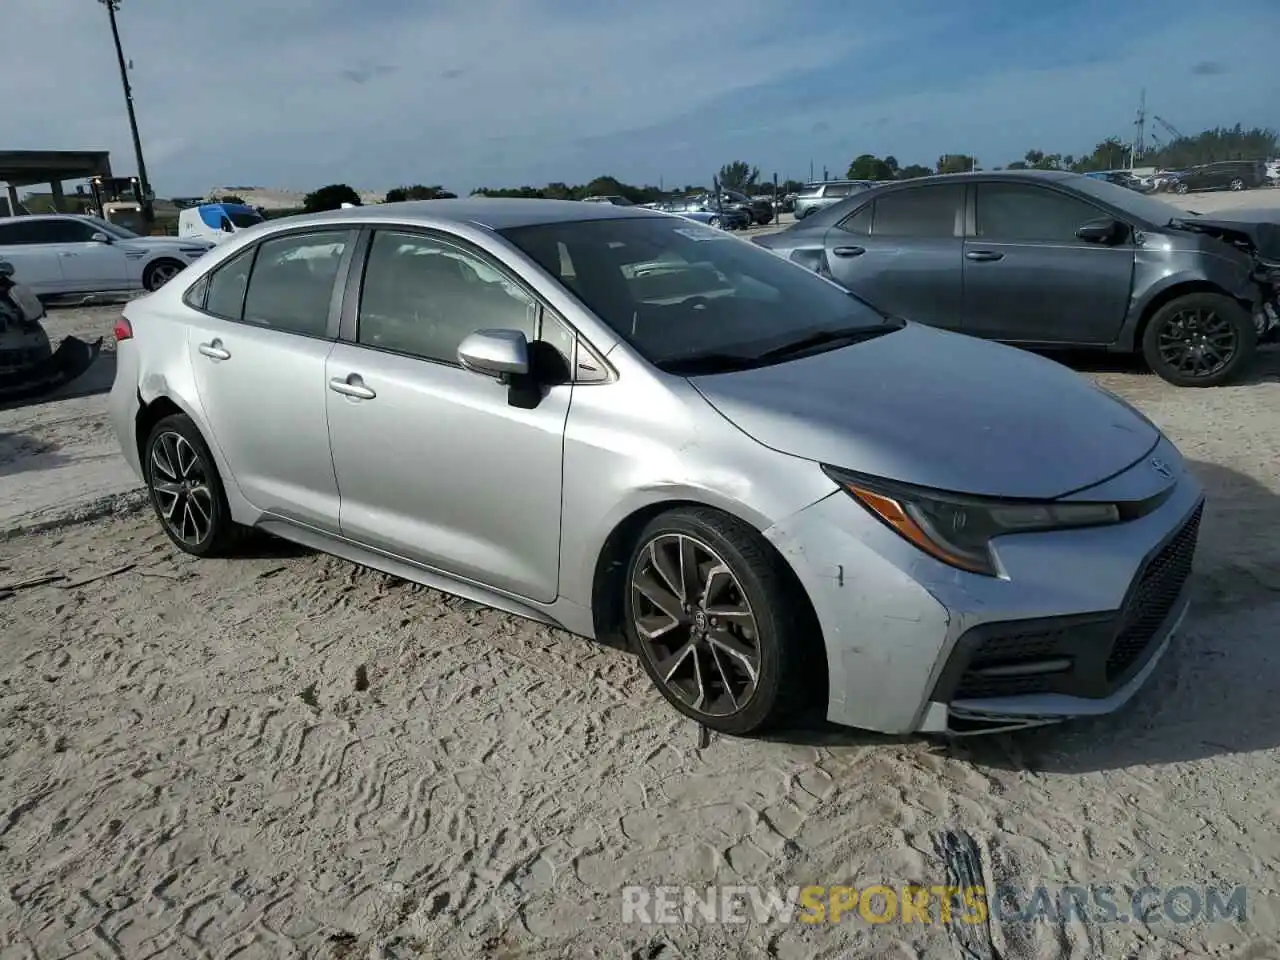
1053,260
29,366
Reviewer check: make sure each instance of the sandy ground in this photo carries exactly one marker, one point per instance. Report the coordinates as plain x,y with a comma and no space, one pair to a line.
286,755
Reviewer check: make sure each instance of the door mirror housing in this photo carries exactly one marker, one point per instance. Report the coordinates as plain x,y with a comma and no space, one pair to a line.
500,354
99,237
1103,230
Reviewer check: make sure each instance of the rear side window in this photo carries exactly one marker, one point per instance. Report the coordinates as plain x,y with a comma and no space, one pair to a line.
1021,214
932,212
810,191
858,222
227,284
291,286
838,190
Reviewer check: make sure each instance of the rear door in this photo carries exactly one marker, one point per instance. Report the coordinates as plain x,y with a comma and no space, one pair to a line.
1029,279
904,253
262,326
36,264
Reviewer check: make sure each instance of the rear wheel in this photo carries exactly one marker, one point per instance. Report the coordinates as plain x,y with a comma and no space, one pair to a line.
1199,340
719,622
1237,184
714,222
1180,188
186,490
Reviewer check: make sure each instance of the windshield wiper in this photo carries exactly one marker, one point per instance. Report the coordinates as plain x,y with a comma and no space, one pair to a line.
825,338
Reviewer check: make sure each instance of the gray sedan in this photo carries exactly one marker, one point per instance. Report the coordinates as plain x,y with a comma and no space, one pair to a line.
633,426
1048,260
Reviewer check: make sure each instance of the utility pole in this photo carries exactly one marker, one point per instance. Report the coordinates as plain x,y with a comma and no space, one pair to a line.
143,180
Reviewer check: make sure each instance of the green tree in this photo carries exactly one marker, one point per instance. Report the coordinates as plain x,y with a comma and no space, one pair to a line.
913,170
330,198
956,163
870,167
418,192
740,176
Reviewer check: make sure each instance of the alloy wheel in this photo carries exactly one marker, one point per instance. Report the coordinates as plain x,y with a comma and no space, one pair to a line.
1197,342
690,611
180,480
1237,184
162,273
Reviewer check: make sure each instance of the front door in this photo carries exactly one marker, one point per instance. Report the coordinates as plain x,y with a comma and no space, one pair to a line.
258,349
433,463
903,253
90,265
1029,279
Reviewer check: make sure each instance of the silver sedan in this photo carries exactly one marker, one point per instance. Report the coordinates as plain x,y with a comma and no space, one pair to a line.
626,424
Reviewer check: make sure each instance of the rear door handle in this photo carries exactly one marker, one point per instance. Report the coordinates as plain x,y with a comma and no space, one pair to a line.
214,350
849,251
352,386
984,256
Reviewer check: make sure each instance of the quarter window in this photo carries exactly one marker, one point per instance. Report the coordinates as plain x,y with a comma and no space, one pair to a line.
858,223
291,286
423,297
1015,213
932,212
227,285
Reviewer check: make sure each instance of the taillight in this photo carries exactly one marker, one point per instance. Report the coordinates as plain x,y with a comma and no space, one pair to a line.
123,330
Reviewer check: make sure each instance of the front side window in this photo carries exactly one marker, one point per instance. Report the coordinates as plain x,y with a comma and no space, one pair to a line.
64,231
423,297
679,292
932,212
1015,213
291,286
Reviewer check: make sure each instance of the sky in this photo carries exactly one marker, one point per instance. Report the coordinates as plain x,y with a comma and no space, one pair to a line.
468,93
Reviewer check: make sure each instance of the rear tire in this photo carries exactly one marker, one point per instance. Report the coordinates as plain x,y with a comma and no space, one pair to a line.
160,272
186,490
1200,340
740,647
1180,188
1237,184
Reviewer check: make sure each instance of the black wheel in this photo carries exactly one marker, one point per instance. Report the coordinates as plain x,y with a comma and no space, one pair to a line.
159,273
719,622
1237,184
186,490
714,222
1181,187
1199,340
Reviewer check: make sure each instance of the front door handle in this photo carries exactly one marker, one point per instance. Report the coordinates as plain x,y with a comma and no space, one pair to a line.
352,386
849,251
214,350
984,256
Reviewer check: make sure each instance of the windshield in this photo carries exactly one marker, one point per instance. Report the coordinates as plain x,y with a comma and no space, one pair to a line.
243,218
1138,204
114,229
676,290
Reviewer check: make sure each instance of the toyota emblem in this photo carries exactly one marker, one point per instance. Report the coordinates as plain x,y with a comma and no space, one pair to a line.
1162,468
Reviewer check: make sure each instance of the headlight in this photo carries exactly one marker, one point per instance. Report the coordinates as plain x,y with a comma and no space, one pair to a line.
958,529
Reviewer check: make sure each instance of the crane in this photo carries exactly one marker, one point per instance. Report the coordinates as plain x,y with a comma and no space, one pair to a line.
1169,127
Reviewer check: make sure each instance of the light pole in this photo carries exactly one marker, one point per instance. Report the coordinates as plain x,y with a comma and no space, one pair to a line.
143,181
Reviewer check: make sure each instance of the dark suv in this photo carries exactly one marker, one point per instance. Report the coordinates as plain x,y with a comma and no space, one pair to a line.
1047,259
1220,175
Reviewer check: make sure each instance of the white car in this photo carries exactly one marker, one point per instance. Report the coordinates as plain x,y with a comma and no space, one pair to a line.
64,254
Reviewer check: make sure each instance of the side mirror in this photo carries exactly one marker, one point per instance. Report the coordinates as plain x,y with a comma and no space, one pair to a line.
1104,230
501,354
99,237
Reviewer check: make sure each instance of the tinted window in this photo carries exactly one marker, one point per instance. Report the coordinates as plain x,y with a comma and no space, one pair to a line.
676,290
924,212
65,231
242,219
227,285
423,297
292,282
858,222
812,190
838,190
17,233
1017,213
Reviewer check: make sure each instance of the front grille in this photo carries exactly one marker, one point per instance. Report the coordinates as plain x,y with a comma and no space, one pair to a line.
1158,589
1087,656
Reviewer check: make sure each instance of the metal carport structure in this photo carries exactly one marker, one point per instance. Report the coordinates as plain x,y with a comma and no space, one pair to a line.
23,168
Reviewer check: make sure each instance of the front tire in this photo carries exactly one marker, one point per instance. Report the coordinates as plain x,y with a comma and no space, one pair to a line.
1237,184
719,622
1180,188
1199,340
159,273
714,222
186,491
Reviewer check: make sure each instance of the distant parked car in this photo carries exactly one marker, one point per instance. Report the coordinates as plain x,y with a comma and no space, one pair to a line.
760,209
1121,178
727,217
616,200
1222,175
644,431
1048,259
817,196
63,255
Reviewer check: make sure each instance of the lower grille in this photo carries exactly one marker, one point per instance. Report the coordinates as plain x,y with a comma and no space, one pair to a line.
1088,656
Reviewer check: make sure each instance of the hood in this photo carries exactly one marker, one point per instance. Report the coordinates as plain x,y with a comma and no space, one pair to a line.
939,410
168,243
1261,226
